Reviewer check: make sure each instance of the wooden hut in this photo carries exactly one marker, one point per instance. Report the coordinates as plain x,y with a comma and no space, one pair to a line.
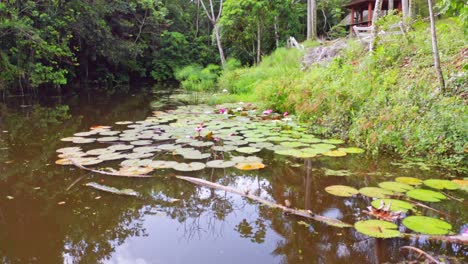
361,10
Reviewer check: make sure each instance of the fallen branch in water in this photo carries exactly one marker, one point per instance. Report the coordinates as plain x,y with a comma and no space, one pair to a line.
451,239
109,189
302,213
421,253
75,182
109,173
428,207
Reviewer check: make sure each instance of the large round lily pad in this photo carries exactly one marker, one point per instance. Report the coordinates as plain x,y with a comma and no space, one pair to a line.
377,228
162,164
341,190
426,195
441,184
334,153
333,141
352,150
395,205
193,166
220,164
396,186
226,148
120,147
248,150
409,180
295,153
375,192
427,225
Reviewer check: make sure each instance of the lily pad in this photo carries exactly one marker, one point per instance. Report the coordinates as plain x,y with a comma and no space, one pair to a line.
146,149
162,164
409,180
462,183
441,184
248,150
250,166
108,139
79,140
72,155
193,166
375,192
120,147
220,164
168,147
201,144
135,163
377,228
111,156
427,225
329,172
396,186
395,205
341,190
224,148
352,150
333,141
296,153
293,144
141,142
99,151
335,153
426,195
241,159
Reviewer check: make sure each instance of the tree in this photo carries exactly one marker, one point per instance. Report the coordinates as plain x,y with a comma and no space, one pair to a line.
311,19
375,17
214,19
435,49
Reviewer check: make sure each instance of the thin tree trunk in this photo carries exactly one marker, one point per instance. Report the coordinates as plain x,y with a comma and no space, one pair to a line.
311,19
276,32
218,43
259,42
390,5
404,8
375,17
435,49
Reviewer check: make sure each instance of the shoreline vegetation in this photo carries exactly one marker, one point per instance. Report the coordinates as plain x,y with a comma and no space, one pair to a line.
385,102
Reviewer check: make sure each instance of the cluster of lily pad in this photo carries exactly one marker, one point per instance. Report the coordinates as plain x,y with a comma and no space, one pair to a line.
397,196
192,138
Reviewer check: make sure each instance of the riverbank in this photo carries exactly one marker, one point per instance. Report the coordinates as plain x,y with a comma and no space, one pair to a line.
388,102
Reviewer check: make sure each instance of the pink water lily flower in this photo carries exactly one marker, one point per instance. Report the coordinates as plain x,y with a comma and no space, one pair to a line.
223,111
285,114
267,112
249,104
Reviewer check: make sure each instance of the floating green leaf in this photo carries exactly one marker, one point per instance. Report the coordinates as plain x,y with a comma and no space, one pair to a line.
375,192
333,141
193,166
220,164
441,184
377,228
426,195
395,186
352,150
329,172
248,150
335,153
409,180
395,205
341,190
427,225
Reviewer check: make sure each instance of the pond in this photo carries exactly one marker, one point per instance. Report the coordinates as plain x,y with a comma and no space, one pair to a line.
54,214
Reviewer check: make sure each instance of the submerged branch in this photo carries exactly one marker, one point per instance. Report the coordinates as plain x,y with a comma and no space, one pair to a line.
421,252
457,239
302,213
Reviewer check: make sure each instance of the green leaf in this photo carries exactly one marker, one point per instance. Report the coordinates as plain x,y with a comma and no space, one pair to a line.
426,195
341,190
427,225
375,192
377,228
409,180
395,205
395,186
441,184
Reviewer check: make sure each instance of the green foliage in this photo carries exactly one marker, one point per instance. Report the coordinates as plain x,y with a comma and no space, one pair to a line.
405,115
195,78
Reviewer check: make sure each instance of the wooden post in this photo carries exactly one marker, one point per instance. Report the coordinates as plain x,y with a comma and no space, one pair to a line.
361,17
369,14
352,17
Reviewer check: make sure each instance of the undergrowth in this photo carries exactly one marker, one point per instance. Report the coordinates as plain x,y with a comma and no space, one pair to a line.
387,102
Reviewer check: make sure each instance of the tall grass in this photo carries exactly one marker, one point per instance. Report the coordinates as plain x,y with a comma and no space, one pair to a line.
385,102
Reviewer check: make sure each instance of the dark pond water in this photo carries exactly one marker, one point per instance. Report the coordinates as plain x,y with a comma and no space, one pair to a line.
44,221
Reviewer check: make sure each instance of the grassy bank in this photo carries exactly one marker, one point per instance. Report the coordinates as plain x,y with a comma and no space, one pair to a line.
385,102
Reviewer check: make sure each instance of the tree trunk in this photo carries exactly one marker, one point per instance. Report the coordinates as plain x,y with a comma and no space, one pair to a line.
218,42
375,17
259,42
404,8
311,19
276,32
435,49
390,5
